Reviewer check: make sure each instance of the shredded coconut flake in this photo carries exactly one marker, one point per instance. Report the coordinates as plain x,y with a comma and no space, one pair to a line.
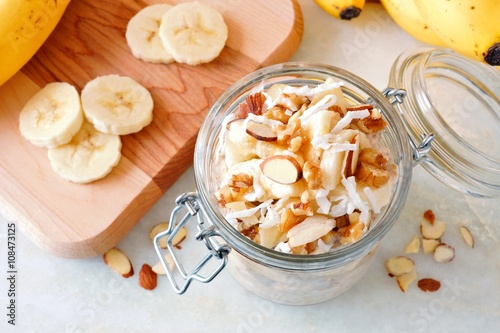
283,247
346,120
322,201
372,199
323,104
341,207
248,212
310,92
261,120
354,198
323,246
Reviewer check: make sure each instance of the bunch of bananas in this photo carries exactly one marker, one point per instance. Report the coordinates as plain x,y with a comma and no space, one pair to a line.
342,9
469,27
24,26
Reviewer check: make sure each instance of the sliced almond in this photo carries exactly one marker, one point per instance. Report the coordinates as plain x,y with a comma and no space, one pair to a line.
282,169
359,107
413,246
399,265
162,226
160,270
432,230
262,132
467,236
428,285
351,159
444,253
234,121
405,280
429,216
147,278
118,262
309,230
429,245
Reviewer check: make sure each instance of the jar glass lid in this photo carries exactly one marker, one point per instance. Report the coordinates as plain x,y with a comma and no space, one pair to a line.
457,100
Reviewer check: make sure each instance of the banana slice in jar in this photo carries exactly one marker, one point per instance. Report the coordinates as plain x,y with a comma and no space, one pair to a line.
52,116
117,104
193,33
89,156
142,34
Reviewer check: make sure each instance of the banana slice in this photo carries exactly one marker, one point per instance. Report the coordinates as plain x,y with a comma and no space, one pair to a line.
52,116
142,34
89,156
193,33
117,104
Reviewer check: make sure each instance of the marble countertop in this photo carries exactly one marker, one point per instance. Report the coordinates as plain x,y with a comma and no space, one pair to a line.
67,295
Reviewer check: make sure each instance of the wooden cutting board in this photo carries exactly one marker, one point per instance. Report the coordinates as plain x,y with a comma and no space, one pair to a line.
78,221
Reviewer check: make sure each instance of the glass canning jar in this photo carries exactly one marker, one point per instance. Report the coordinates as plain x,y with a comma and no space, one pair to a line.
423,127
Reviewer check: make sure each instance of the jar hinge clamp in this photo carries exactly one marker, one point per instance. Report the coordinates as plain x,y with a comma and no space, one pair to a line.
190,202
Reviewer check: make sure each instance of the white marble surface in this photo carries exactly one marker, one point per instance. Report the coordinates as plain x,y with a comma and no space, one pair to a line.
63,295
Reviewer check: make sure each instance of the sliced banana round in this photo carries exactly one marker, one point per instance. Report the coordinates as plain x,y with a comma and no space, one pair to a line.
117,104
193,33
142,34
52,116
89,156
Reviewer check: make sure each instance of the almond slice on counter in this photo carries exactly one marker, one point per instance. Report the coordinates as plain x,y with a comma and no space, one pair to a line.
282,169
399,265
444,253
413,246
428,285
160,270
432,230
405,280
148,279
161,227
467,236
262,132
118,262
429,245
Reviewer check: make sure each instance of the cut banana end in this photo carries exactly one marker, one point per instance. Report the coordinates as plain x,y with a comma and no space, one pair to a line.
117,104
142,34
89,156
52,116
193,33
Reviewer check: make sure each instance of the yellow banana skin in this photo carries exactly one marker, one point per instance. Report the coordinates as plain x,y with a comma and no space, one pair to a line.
342,9
469,27
406,14
24,27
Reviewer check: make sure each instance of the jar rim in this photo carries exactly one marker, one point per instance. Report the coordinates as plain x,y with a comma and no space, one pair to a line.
270,257
456,99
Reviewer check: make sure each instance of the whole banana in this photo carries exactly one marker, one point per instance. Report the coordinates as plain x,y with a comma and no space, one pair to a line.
24,27
342,9
469,27
406,14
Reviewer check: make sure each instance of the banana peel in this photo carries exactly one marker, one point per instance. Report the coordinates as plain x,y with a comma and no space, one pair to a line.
24,27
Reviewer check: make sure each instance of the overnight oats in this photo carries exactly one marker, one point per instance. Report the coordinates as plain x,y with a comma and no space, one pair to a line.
302,170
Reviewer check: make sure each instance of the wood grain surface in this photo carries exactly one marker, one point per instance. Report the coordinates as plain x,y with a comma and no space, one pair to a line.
77,221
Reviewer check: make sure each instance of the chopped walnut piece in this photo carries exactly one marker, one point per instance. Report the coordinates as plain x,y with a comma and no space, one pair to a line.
287,132
288,220
372,168
342,221
223,196
352,233
312,175
241,180
293,102
372,124
300,208
251,232
279,113
337,109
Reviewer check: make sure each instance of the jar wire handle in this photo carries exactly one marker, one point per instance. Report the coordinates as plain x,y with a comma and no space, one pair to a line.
189,202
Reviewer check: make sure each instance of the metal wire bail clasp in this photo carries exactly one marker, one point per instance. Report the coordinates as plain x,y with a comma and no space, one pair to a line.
189,202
